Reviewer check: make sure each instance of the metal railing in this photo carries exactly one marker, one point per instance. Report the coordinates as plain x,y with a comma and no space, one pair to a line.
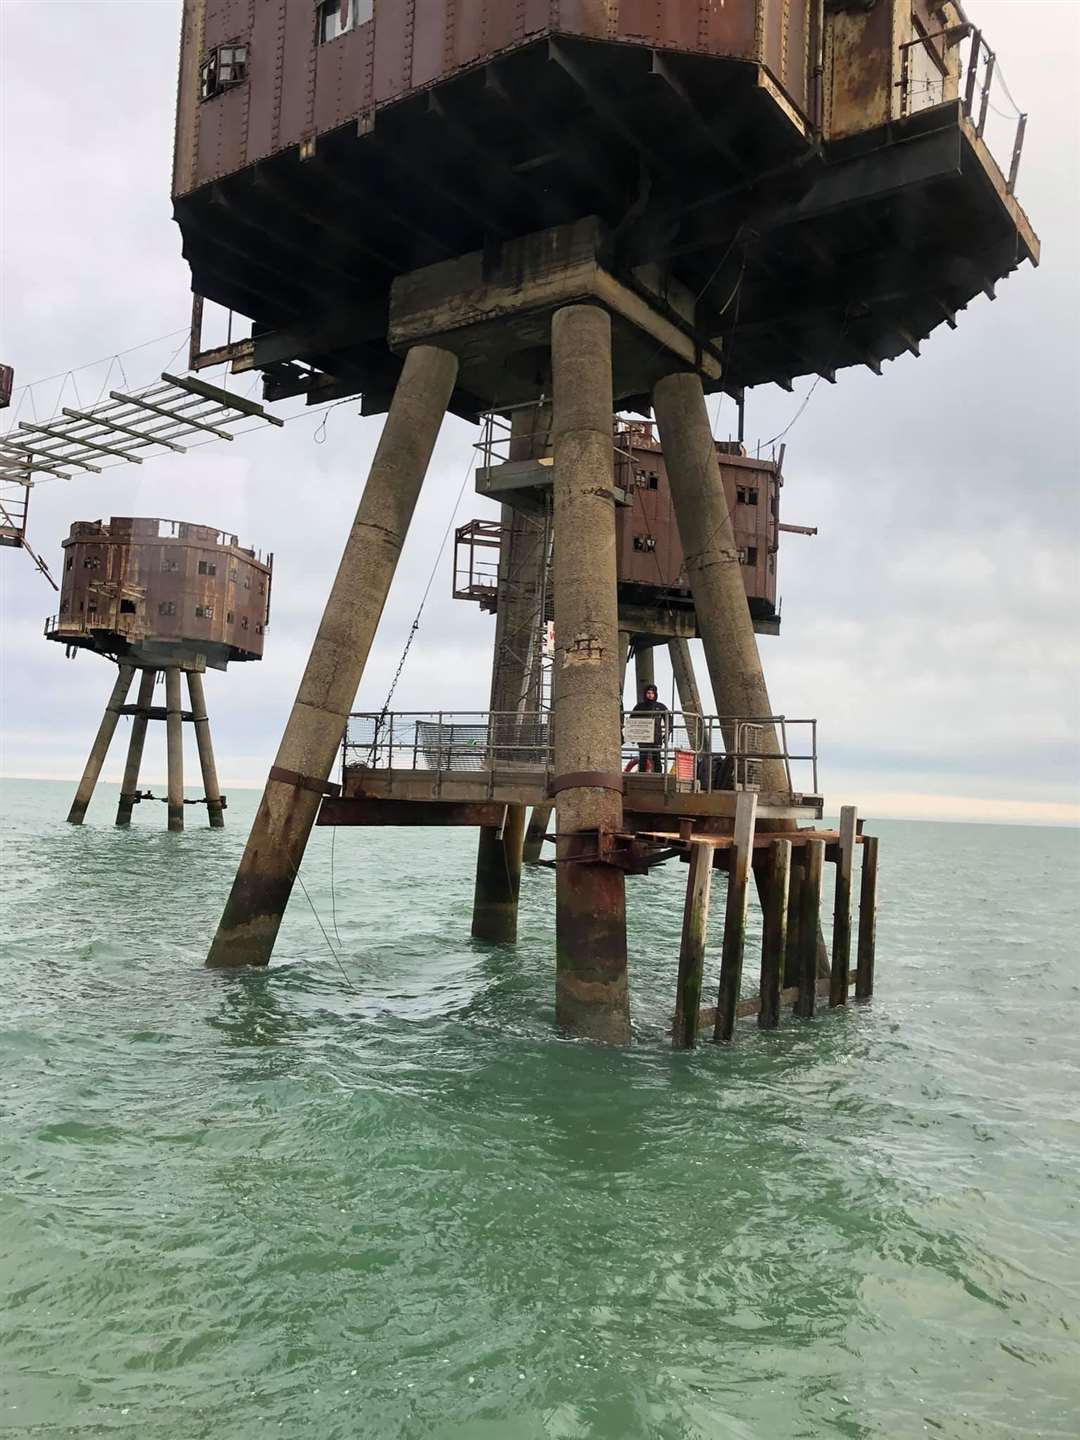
935,70
685,752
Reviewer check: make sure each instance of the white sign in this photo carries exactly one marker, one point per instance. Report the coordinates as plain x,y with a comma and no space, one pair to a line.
640,729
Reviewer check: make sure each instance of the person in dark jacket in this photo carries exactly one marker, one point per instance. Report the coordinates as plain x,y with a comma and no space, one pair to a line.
650,760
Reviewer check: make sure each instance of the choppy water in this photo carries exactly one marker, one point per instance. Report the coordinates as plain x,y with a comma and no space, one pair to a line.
239,1206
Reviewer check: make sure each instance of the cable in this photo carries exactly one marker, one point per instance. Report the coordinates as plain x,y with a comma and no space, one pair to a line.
60,374
333,894
329,946
798,413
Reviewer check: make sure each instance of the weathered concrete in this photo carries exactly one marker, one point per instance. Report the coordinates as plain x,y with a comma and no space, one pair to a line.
644,668
686,686
591,996
514,686
100,747
174,747
212,790
712,563
327,691
136,744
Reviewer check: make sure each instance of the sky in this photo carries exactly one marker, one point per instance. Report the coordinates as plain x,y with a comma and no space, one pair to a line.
930,626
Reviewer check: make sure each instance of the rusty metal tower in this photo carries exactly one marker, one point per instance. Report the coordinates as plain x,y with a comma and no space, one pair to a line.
596,204
164,599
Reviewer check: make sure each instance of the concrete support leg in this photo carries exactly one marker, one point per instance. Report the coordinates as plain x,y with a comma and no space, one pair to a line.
774,934
290,802
215,808
644,668
591,996
515,697
100,747
498,879
624,656
712,562
129,788
686,686
539,821
174,741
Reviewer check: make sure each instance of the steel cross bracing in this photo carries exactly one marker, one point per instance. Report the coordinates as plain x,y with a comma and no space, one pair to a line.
128,427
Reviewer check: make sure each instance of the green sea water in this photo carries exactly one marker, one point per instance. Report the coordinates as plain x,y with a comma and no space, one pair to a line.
394,1203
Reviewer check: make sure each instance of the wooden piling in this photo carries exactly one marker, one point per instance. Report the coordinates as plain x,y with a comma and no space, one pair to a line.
864,973
774,933
841,948
692,949
731,961
809,915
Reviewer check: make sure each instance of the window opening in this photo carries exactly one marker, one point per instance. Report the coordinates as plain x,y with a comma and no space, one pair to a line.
224,67
338,17
749,555
207,567
128,607
92,562
204,612
243,622
170,567
70,562
167,607
746,495
230,618
646,543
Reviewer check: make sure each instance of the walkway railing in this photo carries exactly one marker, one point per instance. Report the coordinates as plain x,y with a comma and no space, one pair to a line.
687,752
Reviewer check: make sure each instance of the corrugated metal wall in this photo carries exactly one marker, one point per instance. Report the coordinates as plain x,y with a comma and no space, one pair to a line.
297,88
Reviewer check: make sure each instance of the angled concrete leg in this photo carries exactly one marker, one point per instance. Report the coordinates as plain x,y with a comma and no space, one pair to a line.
290,802
591,995
129,788
174,740
644,668
682,665
712,562
215,808
100,747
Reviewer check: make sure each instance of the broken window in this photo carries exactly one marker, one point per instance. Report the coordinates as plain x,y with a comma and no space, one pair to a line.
746,495
646,543
230,618
224,67
92,562
259,629
207,567
749,555
128,607
338,17
243,622
70,562
170,567
204,612
167,607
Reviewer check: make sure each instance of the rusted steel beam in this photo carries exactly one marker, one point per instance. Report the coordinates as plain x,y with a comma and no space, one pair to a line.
100,747
351,811
774,933
731,961
809,913
692,949
841,948
864,978
130,785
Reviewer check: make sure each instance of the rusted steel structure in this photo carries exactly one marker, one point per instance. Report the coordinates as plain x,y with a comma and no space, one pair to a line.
162,599
579,206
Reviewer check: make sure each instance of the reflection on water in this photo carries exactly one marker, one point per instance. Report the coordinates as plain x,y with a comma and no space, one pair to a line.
407,1207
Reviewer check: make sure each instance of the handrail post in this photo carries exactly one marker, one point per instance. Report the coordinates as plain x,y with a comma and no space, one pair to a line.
991,59
1018,147
973,69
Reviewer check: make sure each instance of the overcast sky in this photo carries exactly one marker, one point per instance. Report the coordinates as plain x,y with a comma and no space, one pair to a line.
931,626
